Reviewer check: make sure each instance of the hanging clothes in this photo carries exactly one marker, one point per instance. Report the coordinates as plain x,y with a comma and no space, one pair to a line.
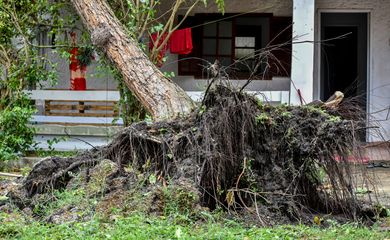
162,52
181,41
77,71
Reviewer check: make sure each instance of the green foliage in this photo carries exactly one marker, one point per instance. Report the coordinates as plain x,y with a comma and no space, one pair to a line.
61,199
16,136
131,109
53,141
263,118
179,202
24,66
85,55
221,5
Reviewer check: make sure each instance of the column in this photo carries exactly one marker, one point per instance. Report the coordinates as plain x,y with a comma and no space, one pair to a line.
302,64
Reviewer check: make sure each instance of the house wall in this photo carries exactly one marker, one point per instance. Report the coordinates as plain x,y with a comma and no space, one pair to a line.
379,58
97,78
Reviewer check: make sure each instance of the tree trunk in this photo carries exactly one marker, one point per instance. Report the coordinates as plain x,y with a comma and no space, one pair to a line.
160,96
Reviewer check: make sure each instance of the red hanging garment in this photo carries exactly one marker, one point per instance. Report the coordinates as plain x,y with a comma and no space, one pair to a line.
181,41
153,42
77,72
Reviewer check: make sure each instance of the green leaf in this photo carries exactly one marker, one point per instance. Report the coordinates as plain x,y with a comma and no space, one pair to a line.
152,179
221,5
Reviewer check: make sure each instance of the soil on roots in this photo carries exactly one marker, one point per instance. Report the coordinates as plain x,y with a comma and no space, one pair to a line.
278,163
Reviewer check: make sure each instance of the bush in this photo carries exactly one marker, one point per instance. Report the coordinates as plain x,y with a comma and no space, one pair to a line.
16,136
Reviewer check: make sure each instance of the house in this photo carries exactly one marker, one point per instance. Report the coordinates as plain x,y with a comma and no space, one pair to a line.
336,45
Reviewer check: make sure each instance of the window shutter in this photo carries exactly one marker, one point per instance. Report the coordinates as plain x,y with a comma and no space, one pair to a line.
281,33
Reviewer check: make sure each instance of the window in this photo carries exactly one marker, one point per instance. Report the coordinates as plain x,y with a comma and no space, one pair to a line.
233,41
217,42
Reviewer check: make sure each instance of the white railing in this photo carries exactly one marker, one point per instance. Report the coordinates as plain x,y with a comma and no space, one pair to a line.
41,95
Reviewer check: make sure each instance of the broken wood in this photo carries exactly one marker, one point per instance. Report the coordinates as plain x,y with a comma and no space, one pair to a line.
332,103
3,174
334,100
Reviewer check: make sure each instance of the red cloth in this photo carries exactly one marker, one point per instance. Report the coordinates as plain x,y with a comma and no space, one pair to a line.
153,42
181,41
77,72
78,84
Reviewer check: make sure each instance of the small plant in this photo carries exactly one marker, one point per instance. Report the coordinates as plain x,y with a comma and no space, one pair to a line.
202,109
52,142
179,201
263,118
85,55
169,74
16,137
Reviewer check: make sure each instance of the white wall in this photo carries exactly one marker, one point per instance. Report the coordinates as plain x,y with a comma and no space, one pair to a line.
379,59
301,87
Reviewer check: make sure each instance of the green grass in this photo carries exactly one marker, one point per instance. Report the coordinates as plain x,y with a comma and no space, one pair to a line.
138,226
55,153
174,224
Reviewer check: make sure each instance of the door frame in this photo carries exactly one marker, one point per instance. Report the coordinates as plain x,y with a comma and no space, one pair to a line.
317,82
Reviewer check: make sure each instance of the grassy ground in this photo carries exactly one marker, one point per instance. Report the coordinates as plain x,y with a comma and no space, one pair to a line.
137,226
173,223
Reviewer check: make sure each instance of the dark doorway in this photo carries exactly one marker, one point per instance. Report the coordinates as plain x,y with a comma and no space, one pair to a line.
344,55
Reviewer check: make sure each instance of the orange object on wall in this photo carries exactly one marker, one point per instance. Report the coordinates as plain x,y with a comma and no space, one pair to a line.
77,72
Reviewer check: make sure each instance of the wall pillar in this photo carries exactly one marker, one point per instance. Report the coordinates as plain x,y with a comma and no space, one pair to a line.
302,64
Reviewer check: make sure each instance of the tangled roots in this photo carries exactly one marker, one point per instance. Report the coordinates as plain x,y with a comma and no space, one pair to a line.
240,154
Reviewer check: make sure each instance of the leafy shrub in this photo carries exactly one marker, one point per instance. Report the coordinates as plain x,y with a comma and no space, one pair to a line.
16,136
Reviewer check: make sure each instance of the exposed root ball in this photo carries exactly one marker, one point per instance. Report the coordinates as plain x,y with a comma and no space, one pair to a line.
240,154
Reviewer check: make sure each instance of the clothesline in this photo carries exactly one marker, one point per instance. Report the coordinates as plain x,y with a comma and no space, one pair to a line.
182,39
225,18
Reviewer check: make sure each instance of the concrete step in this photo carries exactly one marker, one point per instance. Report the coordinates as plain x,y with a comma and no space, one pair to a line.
70,138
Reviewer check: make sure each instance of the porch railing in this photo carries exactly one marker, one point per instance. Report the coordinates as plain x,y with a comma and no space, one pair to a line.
75,107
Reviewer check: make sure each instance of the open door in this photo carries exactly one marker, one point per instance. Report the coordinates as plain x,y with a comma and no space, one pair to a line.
344,55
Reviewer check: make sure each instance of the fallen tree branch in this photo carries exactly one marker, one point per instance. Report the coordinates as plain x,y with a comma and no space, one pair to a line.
3,174
332,103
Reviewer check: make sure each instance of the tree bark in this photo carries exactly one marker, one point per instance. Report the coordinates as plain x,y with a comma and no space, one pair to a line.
160,96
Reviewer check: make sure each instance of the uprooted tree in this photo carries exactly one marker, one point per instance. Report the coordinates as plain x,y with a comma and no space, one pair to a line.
277,163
